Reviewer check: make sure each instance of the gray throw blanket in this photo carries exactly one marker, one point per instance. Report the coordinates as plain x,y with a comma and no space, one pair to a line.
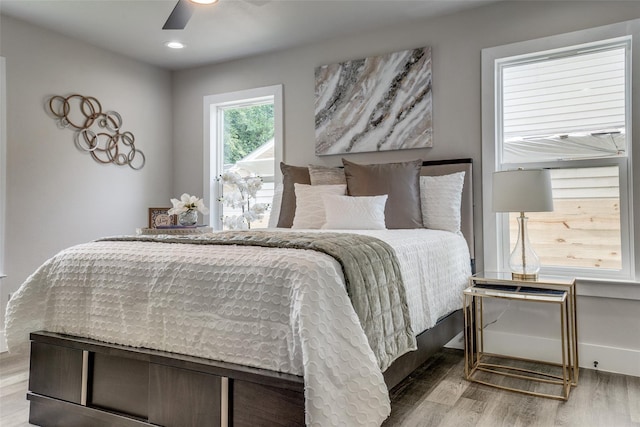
371,272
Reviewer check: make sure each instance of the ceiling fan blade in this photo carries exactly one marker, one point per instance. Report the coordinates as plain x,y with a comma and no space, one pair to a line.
179,16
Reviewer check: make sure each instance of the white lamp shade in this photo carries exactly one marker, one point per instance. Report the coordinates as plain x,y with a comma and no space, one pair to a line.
522,190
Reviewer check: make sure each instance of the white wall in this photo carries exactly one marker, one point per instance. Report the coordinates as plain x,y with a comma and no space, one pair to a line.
456,42
58,196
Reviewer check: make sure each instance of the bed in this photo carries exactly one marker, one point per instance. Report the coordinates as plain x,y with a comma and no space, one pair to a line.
132,358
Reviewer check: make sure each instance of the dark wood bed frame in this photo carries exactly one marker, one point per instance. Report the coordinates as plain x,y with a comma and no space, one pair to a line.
82,382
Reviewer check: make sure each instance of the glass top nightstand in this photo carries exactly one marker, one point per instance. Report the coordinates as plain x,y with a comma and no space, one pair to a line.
505,277
559,291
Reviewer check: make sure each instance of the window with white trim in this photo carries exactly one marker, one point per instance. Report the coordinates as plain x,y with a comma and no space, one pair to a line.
227,152
567,109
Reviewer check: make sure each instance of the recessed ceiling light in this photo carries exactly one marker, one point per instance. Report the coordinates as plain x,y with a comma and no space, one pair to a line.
204,1
174,45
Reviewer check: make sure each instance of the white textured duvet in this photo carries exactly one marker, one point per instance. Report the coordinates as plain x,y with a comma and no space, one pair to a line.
280,309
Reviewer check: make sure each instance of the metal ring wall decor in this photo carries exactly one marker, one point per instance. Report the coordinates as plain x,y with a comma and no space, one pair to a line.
105,142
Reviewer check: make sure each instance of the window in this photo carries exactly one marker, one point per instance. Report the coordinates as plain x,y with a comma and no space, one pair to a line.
248,151
566,109
570,105
245,139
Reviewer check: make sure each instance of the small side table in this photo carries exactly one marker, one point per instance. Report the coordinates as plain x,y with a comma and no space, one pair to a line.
174,231
547,290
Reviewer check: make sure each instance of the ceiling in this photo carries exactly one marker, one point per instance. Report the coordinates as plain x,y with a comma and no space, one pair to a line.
227,30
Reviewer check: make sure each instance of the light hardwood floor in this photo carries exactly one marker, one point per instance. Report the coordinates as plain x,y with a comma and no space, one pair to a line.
14,374
437,395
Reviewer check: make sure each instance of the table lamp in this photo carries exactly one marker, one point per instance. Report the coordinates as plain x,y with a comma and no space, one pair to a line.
523,190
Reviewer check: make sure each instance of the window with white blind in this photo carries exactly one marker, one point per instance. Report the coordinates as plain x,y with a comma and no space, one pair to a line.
566,109
570,105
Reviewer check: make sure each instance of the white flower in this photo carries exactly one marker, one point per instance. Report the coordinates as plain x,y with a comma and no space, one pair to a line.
250,216
238,192
235,222
254,183
231,178
200,207
233,200
259,208
187,203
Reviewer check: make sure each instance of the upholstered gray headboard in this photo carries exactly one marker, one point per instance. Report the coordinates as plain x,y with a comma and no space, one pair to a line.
445,167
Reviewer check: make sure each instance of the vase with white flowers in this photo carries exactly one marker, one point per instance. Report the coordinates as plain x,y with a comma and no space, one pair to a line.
241,194
187,209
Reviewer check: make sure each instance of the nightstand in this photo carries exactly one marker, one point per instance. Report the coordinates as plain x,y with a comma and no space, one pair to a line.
174,231
486,368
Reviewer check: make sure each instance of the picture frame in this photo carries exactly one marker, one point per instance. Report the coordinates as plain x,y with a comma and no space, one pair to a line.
161,217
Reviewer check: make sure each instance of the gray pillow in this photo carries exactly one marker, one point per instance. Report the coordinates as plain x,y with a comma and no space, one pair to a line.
400,181
290,175
325,175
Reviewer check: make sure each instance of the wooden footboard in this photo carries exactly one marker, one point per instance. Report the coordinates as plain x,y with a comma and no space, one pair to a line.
82,382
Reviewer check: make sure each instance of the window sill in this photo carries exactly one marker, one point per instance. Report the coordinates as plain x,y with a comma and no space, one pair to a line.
605,288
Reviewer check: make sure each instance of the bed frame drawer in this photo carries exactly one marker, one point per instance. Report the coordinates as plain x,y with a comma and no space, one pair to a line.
78,382
119,384
277,406
183,397
56,371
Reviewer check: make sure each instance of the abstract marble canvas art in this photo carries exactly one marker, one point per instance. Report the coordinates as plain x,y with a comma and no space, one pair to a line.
378,103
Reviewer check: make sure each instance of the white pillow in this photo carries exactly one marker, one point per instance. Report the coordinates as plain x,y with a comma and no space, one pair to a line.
309,204
355,213
275,206
441,200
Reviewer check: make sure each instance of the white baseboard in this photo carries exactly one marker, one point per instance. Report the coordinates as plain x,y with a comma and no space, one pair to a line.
456,342
3,343
610,359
